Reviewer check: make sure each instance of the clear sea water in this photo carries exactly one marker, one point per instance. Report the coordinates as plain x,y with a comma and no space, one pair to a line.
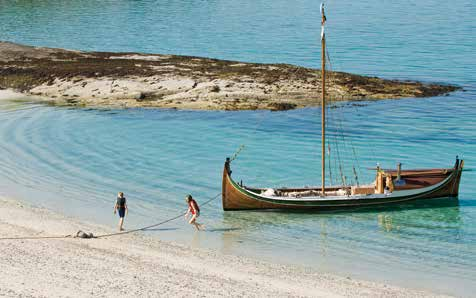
76,160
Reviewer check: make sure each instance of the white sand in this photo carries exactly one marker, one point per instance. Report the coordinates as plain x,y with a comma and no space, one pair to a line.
135,265
10,94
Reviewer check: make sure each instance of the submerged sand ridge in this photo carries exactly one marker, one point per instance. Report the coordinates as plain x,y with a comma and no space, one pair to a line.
106,79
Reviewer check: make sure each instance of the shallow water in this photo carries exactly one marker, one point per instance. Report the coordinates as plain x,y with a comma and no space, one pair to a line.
75,160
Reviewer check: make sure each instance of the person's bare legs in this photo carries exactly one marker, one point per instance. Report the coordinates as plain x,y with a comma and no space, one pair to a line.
121,222
193,221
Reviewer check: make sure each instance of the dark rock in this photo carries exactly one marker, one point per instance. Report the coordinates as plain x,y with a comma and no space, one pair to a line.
84,235
281,106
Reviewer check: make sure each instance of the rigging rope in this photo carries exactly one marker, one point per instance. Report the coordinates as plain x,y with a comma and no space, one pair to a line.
329,162
242,146
340,130
334,134
111,234
354,151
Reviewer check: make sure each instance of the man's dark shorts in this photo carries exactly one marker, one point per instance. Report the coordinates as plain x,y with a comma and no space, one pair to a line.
122,212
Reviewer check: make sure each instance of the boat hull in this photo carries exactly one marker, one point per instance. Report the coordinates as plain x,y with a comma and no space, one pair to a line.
422,184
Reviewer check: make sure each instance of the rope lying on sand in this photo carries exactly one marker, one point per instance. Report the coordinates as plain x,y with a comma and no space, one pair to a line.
38,237
81,234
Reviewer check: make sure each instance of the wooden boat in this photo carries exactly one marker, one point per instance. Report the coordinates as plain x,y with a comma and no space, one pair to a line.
390,186
411,185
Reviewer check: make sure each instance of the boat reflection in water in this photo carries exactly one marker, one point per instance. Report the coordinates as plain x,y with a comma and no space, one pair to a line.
421,214
439,210
347,231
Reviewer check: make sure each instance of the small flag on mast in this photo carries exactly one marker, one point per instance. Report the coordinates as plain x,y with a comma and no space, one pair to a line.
323,21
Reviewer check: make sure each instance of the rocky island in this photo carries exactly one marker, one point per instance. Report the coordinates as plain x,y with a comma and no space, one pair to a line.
104,79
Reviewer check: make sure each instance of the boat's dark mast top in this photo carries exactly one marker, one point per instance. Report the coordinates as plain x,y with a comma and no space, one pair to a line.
323,98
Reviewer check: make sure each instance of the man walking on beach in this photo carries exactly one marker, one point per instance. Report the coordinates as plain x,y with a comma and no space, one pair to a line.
121,206
194,210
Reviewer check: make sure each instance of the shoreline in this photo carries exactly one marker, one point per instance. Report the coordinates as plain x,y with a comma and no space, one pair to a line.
107,79
136,264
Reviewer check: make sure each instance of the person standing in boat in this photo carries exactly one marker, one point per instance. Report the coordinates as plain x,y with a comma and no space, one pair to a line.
194,210
121,207
388,185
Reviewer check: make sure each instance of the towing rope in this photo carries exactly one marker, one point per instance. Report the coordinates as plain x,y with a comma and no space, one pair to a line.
157,224
110,234
38,237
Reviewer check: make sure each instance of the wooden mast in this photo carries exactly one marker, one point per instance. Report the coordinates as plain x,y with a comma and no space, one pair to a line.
323,99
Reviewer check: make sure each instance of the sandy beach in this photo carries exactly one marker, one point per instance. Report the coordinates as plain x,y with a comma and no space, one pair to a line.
136,265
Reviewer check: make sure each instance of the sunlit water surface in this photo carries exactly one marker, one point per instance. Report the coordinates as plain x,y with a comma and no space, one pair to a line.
75,160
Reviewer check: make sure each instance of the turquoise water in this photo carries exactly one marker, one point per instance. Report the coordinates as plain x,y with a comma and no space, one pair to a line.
75,160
